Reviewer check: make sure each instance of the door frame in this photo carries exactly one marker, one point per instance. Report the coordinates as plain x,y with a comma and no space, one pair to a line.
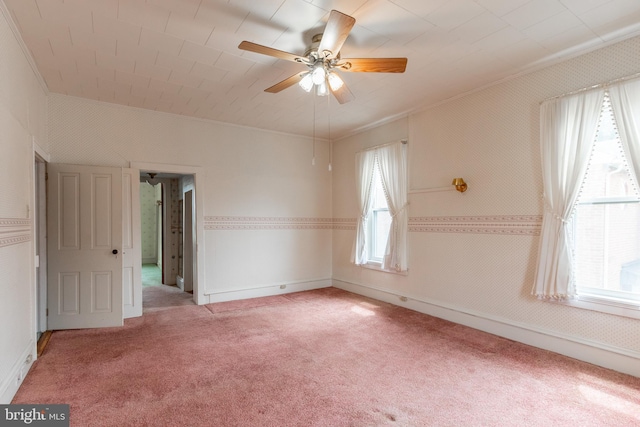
199,296
188,248
39,238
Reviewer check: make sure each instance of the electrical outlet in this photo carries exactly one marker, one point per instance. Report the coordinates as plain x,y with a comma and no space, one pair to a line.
403,299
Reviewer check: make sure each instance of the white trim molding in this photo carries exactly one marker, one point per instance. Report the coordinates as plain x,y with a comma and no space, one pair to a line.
268,290
9,386
25,50
14,231
610,357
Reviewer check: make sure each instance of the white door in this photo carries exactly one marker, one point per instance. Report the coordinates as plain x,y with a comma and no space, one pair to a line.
187,247
41,244
131,244
85,244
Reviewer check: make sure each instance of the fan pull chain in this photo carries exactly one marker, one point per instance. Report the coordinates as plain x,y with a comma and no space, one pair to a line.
329,121
313,159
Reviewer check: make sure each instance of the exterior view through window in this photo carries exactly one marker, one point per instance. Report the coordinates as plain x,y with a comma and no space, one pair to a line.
379,220
607,223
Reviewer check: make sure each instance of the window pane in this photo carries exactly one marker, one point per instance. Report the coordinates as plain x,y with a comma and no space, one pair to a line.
381,224
608,174
378,228
608,247
379,199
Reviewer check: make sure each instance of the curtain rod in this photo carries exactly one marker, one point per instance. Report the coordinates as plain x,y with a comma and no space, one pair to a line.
597,86
403,141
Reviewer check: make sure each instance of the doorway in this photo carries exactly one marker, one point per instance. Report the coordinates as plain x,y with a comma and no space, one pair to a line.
151,226
192,178
167,213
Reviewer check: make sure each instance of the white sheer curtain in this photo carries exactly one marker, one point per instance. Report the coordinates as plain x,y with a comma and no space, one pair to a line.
365,162
567,132
625,102
392,160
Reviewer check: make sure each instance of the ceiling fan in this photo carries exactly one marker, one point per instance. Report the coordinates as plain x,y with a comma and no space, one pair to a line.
323,60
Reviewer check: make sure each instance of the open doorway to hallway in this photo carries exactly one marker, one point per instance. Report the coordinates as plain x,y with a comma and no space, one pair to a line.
167,213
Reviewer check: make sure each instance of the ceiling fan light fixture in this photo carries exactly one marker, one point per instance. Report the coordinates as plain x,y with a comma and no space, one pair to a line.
318,75
322,89
307,82
335,82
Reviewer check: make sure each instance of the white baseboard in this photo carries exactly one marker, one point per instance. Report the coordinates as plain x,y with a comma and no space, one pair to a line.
267,290
21,366
610,357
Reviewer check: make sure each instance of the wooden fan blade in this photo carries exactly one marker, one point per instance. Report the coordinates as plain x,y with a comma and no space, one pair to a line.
336,32
285,83
343,95
373,65
265,50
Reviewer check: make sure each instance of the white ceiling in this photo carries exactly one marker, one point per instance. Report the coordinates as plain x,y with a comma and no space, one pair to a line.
182,56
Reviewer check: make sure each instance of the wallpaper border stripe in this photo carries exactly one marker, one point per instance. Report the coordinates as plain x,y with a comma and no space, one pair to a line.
492,224
265,223
529,225
14,231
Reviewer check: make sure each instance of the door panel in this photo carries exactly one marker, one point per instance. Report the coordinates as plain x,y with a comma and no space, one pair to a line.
69,211
131,244
101,213
85,223
69,290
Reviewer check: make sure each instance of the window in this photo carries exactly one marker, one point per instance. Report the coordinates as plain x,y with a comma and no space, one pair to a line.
589,253
379,220
606,223
381,191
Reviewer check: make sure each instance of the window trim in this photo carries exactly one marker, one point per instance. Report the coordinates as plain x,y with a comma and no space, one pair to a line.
609,200
596,299
371,227
377,266
603,305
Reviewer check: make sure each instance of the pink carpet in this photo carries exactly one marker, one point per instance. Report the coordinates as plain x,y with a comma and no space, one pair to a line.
317,358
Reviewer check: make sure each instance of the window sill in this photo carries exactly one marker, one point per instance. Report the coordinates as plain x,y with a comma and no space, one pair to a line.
604,305
378,267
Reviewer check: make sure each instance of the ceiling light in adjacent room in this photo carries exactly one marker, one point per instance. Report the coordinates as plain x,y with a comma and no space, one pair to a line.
151,180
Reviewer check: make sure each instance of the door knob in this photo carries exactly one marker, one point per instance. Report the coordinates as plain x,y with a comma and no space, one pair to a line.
115,252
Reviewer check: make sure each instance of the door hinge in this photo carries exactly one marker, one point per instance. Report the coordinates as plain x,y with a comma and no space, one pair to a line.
46,176
47,312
